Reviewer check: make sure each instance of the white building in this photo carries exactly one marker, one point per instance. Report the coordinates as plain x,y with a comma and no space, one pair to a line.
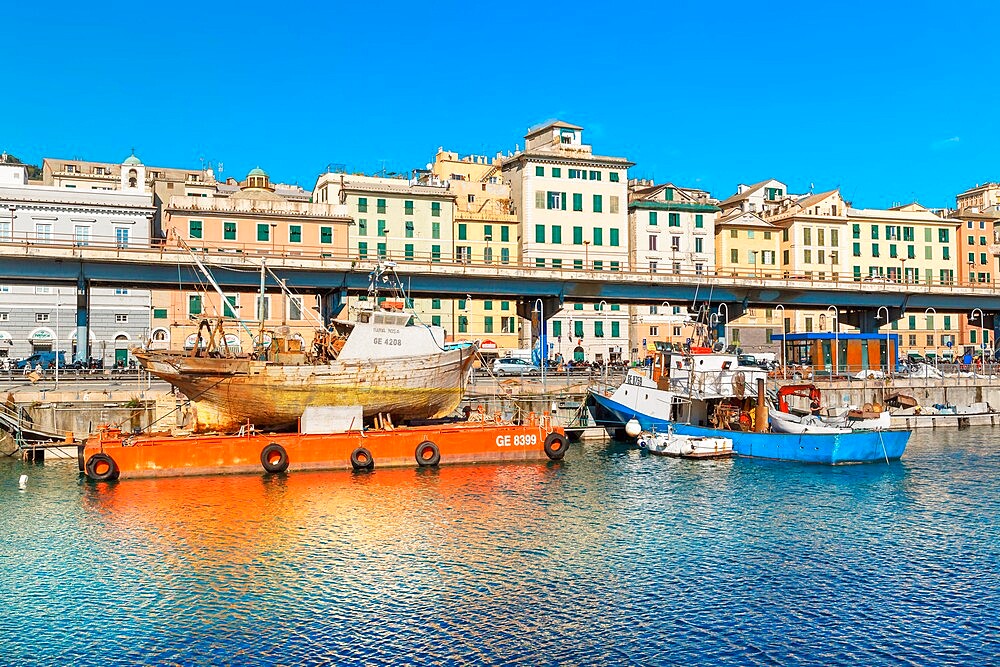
41,317
572,208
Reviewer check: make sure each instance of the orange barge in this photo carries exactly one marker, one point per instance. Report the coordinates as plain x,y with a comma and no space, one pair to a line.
112,454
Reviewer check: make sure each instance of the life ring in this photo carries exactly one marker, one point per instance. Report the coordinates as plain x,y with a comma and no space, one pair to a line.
102,468
556,446
274,458
361,459
427,454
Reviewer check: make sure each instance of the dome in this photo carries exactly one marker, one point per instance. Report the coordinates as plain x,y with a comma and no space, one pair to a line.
257,171
132,160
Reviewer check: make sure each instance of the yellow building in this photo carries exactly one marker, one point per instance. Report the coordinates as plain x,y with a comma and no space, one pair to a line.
485,232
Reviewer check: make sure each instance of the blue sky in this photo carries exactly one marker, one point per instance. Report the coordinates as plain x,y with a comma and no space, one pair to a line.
891,102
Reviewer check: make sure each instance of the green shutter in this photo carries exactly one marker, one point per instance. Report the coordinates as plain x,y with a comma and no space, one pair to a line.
362,204
363,250
615,329
194,304
598,236
159,313
326,234
263,232
598,203
463,230
436,209
556,234
539,233
539,171
295,233
578,236
505,233
408,251
613,233
229,231
577,201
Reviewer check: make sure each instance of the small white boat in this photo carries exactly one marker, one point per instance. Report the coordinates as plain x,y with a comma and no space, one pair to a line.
685,446
785,422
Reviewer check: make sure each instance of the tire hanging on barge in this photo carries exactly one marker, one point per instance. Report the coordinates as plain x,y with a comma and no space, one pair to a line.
101,468
361,459
274,458
555,446
427,454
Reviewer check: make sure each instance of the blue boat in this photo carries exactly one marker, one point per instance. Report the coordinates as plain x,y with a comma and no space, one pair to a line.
829,448
650,403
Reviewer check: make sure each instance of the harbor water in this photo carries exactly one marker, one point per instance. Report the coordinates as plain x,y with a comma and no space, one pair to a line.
611,557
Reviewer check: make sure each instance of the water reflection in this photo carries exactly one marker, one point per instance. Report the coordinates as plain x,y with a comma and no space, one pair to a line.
609,557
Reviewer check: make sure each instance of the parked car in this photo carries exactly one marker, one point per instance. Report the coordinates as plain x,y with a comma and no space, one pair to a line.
513,366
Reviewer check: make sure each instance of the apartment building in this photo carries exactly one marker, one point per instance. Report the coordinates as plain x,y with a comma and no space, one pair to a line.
118,214
572,206
256,220
671,231
402,220
485,232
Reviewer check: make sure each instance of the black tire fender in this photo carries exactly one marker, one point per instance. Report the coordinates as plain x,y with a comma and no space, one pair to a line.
556,446
427,454
361,459
274,458
102,468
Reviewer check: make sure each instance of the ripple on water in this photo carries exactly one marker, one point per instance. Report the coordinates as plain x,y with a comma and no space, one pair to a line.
613,557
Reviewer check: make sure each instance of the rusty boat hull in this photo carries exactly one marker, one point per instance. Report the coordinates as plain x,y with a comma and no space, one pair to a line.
227,393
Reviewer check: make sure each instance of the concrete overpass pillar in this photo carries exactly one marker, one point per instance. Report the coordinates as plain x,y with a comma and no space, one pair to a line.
539,311
986,320
331,303
82,320
870,320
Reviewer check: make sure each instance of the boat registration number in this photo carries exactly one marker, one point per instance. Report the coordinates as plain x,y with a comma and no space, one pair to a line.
388,341
517,440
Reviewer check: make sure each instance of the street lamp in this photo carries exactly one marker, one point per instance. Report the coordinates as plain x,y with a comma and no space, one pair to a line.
982,322
273,226
58,304
586,256
725,334
933,333
542,344
487,256
972,267
902,269
753,260
836,339
602,305
781,307
878,316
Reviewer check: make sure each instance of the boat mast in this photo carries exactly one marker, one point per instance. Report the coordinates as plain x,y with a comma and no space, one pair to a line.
260,305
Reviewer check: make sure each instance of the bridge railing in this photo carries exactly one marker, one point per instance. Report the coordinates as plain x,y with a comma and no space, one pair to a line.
574,261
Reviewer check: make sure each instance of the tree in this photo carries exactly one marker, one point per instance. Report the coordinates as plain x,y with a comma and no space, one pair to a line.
34,173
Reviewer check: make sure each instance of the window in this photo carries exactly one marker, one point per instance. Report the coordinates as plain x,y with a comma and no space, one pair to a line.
194,229
807,256
435,253
892,250
408,207
262,308
383,228
613,176
380,206
488,324
734,256
43,231
362,227
295,308
505,233
751,234
595,175
381,250
505,255
612,204
673,220
654,331
943,236
598,265
81,235
230,305
613,237
874,249
463,232
539,233
263,231
599,329
121,237
435,230
41,317
699,223
540,262
121,291
698,244
578,329
295,233
598,236
945,251
556,328
540,199
463,324
856,231
408,226
556,234
734,233
857,250
652,241
598,203
435,320
194,304
408,252
556,172
362,204
874,232
578,236
807,236
539,171
326,234
435,209
363,250
555,200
